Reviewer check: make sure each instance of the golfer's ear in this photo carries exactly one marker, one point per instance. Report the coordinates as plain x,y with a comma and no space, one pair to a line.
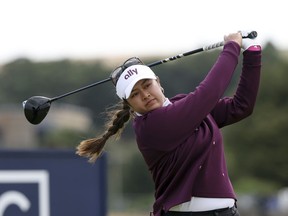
158,79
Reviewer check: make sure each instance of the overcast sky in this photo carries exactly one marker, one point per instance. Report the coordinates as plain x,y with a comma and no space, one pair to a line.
53,29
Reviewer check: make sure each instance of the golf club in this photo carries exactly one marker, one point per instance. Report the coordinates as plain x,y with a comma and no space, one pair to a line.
37,107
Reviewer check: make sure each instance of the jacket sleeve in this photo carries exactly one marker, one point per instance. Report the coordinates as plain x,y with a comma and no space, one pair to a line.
233,109
172,124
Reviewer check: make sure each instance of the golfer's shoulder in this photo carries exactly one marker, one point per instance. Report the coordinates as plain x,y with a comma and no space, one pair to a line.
177,97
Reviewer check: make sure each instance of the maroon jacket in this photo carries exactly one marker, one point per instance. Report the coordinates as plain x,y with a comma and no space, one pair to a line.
182,143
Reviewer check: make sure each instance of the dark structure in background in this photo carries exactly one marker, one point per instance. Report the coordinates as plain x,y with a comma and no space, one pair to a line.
51,182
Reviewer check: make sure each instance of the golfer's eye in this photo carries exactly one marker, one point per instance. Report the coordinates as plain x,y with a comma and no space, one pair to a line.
147,85
134,94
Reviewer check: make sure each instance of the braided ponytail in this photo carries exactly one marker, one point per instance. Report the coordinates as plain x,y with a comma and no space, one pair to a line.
92,148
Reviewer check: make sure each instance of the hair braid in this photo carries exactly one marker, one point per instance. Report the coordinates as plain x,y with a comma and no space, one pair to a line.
92,148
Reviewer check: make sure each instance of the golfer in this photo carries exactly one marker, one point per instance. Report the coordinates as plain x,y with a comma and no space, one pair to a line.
180,137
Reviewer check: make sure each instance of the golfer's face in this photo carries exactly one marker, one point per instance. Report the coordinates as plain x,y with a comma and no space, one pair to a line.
146,95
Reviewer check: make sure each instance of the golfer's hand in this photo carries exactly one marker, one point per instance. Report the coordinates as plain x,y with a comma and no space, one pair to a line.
236,37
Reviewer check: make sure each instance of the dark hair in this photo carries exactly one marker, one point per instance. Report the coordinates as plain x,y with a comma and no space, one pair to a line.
92,148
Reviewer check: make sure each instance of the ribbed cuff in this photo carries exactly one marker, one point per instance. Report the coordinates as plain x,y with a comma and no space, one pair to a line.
254,48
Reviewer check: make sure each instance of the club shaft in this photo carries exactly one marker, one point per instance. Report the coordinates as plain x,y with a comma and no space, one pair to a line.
175,57
80,89
205,48
252,34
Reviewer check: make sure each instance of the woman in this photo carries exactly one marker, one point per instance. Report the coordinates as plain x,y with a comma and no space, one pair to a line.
180,137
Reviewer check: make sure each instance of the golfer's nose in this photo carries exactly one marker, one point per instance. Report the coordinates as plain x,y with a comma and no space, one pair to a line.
145,95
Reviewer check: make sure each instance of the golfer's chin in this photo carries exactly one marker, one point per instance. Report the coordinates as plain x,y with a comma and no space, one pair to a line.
152,106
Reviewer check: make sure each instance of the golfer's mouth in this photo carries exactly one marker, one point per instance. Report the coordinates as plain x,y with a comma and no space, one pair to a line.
150,102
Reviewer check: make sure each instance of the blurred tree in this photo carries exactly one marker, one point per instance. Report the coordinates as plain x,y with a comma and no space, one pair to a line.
136,178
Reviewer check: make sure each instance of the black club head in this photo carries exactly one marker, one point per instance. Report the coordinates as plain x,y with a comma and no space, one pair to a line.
36,108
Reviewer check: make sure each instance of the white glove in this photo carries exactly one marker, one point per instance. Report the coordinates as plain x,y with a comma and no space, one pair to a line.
248,42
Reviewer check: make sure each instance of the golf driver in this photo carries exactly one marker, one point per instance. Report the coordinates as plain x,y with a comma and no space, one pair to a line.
37,107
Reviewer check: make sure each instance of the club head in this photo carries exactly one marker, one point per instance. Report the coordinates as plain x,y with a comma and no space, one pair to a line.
36,108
